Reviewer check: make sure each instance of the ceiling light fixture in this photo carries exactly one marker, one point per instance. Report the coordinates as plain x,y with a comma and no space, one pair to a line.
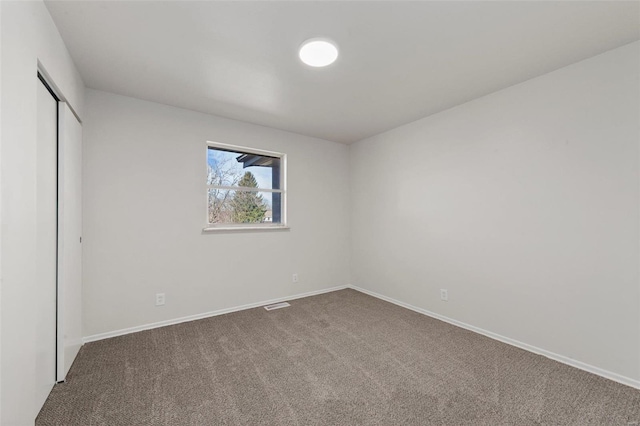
318,52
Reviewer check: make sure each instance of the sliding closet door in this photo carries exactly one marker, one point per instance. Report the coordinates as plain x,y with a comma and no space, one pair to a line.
46,229
69,240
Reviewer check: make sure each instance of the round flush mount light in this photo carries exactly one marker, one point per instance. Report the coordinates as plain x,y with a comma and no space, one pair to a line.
318,52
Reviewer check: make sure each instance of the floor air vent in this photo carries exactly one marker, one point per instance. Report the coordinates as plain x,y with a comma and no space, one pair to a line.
277,306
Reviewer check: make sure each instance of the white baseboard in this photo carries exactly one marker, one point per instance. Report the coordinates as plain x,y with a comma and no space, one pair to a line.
129,330
556,357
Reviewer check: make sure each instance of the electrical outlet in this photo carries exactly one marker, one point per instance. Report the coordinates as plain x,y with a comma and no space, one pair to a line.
159,299
444,294
294,278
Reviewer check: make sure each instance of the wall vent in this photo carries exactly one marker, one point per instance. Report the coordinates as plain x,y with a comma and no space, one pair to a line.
277,306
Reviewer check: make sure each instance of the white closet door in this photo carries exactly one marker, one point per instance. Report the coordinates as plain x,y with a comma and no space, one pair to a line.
69,245
46,228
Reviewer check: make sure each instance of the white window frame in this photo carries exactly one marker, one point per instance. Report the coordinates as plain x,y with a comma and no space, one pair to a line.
283,190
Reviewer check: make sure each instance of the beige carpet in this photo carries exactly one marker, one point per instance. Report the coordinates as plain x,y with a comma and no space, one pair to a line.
342,358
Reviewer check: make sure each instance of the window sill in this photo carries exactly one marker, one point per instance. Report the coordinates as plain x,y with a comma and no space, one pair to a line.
244,228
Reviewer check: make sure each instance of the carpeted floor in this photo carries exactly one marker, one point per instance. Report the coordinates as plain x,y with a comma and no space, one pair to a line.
342,358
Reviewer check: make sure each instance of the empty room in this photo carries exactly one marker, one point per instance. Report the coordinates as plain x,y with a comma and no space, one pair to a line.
319,213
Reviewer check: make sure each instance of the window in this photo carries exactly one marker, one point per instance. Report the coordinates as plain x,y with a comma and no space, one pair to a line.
245,187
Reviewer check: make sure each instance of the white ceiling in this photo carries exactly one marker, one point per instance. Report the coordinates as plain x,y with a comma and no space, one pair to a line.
399,61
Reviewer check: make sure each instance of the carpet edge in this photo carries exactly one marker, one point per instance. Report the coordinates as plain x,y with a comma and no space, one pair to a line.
628,381
135,329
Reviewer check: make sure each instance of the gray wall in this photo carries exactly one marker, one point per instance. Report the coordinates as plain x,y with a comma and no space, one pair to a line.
144,210
524,204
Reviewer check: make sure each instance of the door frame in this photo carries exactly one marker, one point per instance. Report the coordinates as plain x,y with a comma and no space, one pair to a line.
64,111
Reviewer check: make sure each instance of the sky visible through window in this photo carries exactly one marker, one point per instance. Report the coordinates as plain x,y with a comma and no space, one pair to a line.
215,158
